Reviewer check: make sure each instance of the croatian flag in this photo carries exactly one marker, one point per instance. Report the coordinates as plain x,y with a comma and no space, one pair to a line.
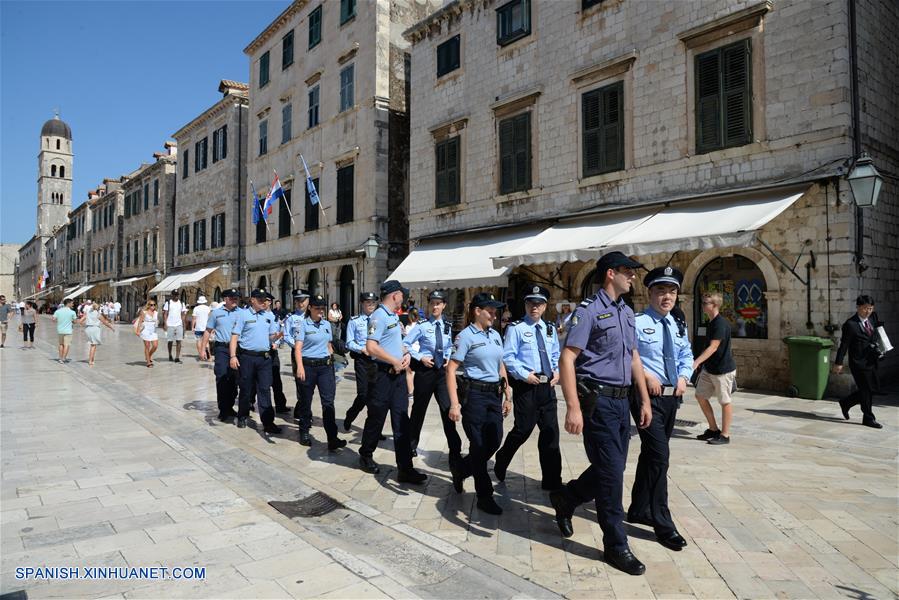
257,205
277,192
310,187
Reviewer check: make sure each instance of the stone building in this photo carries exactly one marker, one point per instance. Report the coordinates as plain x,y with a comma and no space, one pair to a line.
715,136
328,81
55,251
9,258
106,205
211,177
78,251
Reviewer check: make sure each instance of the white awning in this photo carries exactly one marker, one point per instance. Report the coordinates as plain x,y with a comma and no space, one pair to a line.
461,261
177,280
727,220
78,292
129,281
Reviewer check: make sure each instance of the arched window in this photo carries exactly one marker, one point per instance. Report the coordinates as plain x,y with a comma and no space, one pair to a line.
742,287
52,170
286,291
62,172
312,283
57,144
217,294
347,292
262,282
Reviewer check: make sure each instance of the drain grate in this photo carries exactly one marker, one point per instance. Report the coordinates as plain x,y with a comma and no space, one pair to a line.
316,505
685,423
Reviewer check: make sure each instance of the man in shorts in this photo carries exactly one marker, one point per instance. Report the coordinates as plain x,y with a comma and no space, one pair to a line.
719,372
173,322
200,317
5,309
64,317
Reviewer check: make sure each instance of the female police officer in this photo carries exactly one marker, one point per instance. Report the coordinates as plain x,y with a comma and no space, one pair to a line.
478,352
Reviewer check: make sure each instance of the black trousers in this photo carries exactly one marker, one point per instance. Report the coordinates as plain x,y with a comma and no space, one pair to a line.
225,381
649,496
535,406
866,381
388,394
28,331
277,384
432,382
256,379
362,366
323,378
482,420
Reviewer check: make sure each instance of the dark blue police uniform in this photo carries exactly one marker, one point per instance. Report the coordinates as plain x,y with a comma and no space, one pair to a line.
277,385
220,324
254,352
356,336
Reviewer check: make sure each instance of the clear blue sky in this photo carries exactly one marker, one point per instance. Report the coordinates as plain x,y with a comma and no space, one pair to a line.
124,75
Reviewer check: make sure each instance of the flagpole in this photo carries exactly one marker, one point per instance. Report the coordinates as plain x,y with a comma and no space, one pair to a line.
321,205
261,211
285,204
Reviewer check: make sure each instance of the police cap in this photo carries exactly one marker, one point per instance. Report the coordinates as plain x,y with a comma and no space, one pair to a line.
666,274
231,293
392,285
365,296
536,293
318,300
613,260
261,293
300,294
437,295
485,300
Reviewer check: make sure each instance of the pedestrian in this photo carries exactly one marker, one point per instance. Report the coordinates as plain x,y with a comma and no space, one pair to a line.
356,336
29,323
250,351
5,309
476,382
64,318
719,372
198,323
174,323
410,326
313,354
563,317
858,340
279,311
531,355
429,346
388,386
335,318
92,319
596,368
116,310
145,328
218,329
667,360
504,322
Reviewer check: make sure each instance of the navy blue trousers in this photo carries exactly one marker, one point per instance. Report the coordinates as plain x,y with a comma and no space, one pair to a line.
482,420
388,394
649,496
362,369
256,379
323,378
535,406
432,382
225,380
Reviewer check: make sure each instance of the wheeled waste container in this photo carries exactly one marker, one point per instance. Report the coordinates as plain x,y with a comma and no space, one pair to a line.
809,365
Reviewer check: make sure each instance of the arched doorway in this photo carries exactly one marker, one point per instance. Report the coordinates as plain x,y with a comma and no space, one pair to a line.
347,294
313,282
217,294
742,287
262,282
286,291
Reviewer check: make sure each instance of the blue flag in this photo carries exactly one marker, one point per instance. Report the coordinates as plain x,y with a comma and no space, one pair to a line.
257,206
310,187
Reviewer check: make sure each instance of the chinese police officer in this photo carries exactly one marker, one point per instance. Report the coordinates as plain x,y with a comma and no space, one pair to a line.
356,336
255,328
388,392
219,327
667,366
596,369
300,302
531,355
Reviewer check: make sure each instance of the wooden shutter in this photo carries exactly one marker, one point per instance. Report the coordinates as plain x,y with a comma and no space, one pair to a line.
506,156
345,194
737,89
591,104
612,141
708,101
223,142
522,144
440,174
452,171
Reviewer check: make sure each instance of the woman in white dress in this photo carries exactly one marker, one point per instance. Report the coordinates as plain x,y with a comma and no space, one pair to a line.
92,318
145,329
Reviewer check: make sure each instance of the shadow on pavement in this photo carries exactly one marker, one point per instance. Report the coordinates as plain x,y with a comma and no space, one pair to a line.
796,414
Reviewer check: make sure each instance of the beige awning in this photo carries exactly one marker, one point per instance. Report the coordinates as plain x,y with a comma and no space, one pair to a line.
78,292
181,279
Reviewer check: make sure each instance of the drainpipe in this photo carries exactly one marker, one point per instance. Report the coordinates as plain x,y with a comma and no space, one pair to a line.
239,192
856,138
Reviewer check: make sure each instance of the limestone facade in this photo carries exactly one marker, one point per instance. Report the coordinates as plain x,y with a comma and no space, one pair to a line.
78,245
9,257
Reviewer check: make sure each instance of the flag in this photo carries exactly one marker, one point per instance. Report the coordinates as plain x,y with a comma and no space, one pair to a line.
310,187
276,193
45,279
257,205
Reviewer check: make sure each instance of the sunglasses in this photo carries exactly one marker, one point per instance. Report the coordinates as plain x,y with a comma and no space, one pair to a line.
151,305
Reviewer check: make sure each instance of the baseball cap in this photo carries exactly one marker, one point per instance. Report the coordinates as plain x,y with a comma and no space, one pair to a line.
613,260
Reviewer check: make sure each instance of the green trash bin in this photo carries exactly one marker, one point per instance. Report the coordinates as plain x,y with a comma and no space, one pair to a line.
809,365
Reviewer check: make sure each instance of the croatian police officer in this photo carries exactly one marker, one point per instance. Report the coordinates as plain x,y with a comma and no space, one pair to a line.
388,391
250,350
434,338
277,385
531,355
596,367
313,352
300,303
219,327
356,336
667,365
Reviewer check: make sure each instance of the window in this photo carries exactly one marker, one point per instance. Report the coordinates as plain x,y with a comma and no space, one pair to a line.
263,137
284,217
146,249
263,70
135,199
155,192
185,170
603,130
147,196
218,230
128,206
515,153
199,235
312,210
105,259
260,230
52,170
723,97
513,21
448,56
220,144
62,172
347,10
346,88
313,107
447,172
345,194
155,245
287,50
201,155
315,27
286,125
585,4
184,239
57,144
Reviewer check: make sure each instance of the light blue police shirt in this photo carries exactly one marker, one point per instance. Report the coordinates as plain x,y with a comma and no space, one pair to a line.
650,345
426,336
254,329
479,352
357,333
290,324
521,352
221,321
384,328
315,337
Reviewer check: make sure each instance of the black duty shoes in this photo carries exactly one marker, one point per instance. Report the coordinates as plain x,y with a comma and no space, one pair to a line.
489,506
624,560
564,511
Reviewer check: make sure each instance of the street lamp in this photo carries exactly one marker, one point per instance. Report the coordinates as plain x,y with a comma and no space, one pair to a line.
157,276
370,247
865,181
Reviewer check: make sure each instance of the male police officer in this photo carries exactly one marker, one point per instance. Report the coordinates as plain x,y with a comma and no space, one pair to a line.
596,365
389,392
356,336
251,352
277,385
220,324
434,338
531,355
315,368
300,302
667,366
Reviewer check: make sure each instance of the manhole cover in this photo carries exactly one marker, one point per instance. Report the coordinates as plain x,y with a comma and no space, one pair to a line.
685,423
316,505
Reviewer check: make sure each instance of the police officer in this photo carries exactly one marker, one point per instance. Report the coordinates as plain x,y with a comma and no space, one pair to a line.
313,352
531,355
476,381
219,326
255,328
667,366
300,303
596,368
277,384
434,338
388,391
356,336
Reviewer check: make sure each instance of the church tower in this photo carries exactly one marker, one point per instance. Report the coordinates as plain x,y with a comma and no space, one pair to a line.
54,181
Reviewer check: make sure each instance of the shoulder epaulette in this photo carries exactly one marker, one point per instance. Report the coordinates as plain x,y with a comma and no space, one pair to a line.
513,323
588,301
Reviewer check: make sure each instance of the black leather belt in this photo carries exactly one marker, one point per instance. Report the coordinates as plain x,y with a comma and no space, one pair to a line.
603,389
484,386
359,356
384,367
317,362
263,353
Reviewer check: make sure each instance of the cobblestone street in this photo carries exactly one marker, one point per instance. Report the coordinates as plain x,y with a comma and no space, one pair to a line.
122,465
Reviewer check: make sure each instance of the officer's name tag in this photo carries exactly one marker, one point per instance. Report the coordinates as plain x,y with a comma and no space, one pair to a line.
649,330
310,332
473,346
248,321
391,326
604,316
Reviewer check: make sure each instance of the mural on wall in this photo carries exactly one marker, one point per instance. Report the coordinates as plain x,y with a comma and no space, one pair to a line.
742,287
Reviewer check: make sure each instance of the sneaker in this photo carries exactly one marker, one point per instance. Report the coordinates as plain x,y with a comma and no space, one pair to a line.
720,440
709,434
177,360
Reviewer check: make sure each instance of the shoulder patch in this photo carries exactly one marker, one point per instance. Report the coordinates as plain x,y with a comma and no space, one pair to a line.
372,327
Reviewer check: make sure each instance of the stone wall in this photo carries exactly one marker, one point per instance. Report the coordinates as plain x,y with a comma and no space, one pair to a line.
156,221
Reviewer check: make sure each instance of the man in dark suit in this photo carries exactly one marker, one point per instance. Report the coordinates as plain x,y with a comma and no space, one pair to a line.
858,339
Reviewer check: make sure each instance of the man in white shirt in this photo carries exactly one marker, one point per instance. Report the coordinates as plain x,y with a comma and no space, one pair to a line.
117,308
200,317
173,322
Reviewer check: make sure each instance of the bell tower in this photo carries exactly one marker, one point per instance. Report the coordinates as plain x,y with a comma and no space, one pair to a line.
54,178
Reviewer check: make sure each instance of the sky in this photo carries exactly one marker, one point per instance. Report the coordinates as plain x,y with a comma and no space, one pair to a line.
124,75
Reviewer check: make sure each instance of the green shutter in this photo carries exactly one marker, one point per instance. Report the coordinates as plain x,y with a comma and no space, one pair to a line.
452,171
506,154
440,173
612,139
708,101
590,115
737,109
522,143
